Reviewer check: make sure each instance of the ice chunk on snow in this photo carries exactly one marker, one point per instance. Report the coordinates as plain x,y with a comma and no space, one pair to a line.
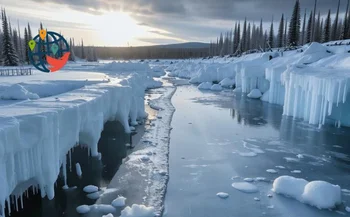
17,92
108,215
322,195
300,156
237,90
120,201
222,195
247,154
256,199
83,209
255,94
90,189
216,87
245,187
138,211
280,167
227,82
271,171
78,169
205,86
289,186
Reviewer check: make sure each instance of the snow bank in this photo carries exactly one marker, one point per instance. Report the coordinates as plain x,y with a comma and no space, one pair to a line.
205,86
138,211
320,194
17,92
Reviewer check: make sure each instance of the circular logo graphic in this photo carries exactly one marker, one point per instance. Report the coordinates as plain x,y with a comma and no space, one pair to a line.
49,51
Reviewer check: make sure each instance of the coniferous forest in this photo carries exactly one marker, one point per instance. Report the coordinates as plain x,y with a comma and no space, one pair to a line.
245,37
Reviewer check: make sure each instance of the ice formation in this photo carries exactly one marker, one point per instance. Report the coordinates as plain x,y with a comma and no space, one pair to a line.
138,211
18,92
78,169
120,201
312,83
90,189
83,209
222,195
216,87
255,94
320,194
205,86
36,135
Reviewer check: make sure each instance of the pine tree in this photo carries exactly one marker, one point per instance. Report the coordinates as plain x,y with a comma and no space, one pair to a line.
345,28
314,24
15,41
42,47
327,28
82,49
335,25
280,32
320,30
309,29
1,38
30,37
294,25
285,33
244,36
265,40
9,56
20,51
271,36
248,37
261,34
94,55
317,36
303,31
238,36
26,41
71,50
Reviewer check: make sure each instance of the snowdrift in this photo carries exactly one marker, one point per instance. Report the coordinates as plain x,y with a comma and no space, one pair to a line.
320,194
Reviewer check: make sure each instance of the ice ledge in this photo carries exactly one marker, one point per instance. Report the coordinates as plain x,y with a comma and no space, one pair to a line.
35,136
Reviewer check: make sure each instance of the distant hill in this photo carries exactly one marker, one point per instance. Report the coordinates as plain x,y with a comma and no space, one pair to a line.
189,45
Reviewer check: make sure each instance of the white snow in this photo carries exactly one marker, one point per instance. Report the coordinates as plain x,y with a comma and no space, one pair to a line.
108,215
90,189
36,135
222,195
347,209
255,94
138,211
320,194
295,171
216,87
120,201
247,154
205,86
78,170
83,209
249,179
245,187
102,208
17,92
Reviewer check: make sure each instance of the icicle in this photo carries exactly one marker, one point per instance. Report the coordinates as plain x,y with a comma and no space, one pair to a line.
64,170
16,203
345,90
21,201
9,205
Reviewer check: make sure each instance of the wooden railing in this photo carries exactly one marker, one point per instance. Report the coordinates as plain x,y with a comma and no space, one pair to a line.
15,71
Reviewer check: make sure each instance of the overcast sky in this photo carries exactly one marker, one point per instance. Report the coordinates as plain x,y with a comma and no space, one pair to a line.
147,22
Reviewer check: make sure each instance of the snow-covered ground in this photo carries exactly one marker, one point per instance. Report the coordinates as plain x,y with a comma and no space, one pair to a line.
312,83
44,115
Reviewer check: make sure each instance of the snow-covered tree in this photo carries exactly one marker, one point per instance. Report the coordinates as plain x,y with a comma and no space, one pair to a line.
345,27
9,55
280,32
294,25
317,25
261,34
15,40
20,44
285,33
314,24
248,37
71,50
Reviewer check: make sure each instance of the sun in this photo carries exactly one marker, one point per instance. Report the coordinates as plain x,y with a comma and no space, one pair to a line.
116,28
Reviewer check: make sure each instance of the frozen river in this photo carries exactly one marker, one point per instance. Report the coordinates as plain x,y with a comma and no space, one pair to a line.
219,138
